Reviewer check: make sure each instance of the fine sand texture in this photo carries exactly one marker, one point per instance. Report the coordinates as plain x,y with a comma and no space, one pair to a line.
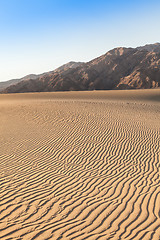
80,165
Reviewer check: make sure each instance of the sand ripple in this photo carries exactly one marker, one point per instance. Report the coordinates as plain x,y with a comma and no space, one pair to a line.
79,169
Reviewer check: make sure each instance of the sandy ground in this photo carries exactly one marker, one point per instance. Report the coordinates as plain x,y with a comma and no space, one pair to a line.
80,165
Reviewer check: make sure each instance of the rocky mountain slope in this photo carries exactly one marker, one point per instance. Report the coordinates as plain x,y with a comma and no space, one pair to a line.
120,68
150,47
4,85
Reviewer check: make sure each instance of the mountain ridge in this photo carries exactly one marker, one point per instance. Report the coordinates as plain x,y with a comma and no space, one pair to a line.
119,68
8,83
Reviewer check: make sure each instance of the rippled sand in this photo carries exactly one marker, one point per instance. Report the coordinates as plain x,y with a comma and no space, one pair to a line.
80,165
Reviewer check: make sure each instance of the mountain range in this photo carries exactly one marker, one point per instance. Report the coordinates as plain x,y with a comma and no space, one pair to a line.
120,68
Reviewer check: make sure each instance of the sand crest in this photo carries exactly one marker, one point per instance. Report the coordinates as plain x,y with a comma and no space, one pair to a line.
80,165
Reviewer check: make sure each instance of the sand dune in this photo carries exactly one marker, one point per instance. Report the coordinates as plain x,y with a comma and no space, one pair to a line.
80,165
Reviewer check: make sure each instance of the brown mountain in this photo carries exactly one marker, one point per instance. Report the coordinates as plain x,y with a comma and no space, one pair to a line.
120,68
4,85
150,47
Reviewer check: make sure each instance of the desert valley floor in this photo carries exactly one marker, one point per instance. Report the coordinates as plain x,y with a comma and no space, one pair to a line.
80,165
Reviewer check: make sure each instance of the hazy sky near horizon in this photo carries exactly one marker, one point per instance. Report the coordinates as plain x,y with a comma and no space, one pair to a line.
40,35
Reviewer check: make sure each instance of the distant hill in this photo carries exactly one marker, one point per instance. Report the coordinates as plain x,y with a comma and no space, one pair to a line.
6,84
120,68
11,82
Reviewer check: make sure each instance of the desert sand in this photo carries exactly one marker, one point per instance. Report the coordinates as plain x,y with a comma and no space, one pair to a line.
80,165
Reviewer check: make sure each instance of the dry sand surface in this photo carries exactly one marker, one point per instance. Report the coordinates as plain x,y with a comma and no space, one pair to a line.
80,165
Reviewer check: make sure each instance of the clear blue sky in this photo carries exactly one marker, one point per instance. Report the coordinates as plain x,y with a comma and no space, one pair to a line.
40,35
